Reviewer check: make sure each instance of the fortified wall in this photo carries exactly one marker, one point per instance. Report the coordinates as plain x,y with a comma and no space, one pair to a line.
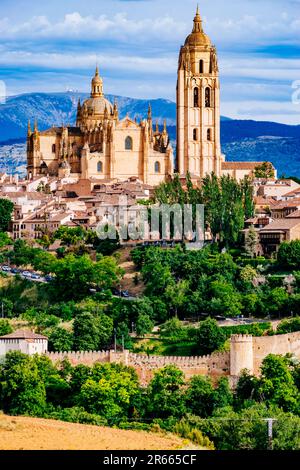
246,352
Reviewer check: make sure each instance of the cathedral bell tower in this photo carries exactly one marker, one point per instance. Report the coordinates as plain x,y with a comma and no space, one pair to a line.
198,106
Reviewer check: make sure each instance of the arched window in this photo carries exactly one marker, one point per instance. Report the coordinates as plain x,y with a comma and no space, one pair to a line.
128,143
201,66
53,148
196,97
209,135
195,134
207,97
157,167
100,167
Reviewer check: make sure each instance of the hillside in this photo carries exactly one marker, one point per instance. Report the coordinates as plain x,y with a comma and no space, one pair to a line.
241,139
20,433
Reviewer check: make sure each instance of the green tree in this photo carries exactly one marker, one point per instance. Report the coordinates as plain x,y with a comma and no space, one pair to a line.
92,332
165,393
225,300
4,240
22,390
210,336
199,396
5,327
6,307
289,254
144,324
277,386
110,392
74,277
60,340
265,170
251,241
6,209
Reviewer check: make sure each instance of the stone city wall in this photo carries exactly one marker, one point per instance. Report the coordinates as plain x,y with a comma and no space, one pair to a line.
246,352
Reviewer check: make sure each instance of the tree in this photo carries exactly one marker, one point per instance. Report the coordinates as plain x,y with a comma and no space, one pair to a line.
5,327
248,274
176,294
6,209
251,241
289,254
92,332
60,340
43,261
277,386
74,277
6,307
265,170
165,393
226,300
109,392
22,390
210,336
199,396
144,324
4,240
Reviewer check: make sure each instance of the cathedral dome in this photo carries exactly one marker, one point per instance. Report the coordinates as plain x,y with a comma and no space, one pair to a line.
97,103
97,106
197,36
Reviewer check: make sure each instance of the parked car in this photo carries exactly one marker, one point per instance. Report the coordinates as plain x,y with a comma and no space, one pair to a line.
6,268
35,276
48,278
125,293
15,271
26,273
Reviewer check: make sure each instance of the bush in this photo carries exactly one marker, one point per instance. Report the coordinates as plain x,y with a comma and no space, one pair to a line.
184,429
5,327
254,329
77,414
289,326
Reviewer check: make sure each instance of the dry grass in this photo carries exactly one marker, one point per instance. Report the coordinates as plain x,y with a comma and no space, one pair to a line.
21,433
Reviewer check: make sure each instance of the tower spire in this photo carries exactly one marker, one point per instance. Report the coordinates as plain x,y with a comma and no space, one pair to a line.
197,22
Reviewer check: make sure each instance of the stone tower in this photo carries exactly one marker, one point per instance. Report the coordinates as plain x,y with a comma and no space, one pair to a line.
198,106
241,354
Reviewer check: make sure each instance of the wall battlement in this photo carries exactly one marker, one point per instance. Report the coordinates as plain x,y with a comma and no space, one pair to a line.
246,352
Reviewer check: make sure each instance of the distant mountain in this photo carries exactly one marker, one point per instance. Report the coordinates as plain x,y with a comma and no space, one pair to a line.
241,139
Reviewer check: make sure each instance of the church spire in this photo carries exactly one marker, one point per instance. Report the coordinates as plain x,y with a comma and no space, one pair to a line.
97,85
29,128
197,22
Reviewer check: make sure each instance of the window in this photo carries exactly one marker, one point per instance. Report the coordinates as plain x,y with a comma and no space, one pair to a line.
100,167
207,97
53,148
128,143
157,167
209,135
201,66
195,134
196,97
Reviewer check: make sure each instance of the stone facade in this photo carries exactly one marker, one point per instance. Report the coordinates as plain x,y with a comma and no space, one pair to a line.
101,146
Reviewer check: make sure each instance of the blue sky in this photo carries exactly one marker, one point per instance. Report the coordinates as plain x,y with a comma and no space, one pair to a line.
54,46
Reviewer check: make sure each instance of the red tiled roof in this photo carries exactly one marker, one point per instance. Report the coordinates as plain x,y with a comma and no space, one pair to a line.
23,334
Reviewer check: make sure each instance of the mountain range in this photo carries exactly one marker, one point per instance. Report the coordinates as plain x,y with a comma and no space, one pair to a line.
242,140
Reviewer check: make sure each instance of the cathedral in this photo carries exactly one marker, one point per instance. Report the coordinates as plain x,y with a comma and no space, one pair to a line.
103,147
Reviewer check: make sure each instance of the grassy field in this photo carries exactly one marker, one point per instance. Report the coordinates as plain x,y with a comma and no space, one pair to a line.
22,433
